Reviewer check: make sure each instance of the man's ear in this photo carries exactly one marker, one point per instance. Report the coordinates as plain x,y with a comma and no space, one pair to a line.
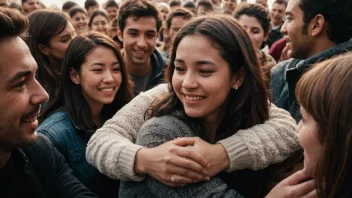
237,79
318,25
43,49
74,76
119,34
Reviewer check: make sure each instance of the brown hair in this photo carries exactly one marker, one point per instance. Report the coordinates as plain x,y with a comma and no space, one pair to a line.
12,23
41,30
138,8
325,92
248,105
181,12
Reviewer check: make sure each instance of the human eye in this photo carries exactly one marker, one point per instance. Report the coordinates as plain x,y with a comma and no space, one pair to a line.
116,69
205,72
20,85
180,69
150,35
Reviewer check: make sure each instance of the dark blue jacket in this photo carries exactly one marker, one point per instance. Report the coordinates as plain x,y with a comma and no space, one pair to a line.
285,76
72,143
40,171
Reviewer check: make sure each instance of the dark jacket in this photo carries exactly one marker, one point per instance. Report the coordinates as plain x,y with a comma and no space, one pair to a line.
72,143
275,35
158,62
285,76
40,171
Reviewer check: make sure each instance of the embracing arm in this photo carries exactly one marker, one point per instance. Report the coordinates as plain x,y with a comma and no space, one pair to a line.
111,149
157,131
264,144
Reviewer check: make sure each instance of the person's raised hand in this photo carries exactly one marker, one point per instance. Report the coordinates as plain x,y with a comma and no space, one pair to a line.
296,185
172,163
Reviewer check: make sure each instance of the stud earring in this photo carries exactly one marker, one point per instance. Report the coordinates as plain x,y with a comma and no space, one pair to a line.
236,87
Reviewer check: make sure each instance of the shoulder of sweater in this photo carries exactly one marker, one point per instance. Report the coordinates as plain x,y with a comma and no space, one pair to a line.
167,124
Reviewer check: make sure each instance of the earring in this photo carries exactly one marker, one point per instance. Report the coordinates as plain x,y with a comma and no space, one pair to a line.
236,87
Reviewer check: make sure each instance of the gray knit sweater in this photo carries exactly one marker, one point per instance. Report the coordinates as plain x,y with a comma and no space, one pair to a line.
112,151
155,132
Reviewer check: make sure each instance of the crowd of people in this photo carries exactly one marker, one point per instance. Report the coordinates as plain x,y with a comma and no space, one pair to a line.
171,98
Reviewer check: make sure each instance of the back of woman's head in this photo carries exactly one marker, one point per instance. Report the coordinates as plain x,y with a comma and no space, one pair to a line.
325,92
248,104
71,95
43,25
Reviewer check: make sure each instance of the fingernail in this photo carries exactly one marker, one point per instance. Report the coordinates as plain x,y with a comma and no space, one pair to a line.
207,178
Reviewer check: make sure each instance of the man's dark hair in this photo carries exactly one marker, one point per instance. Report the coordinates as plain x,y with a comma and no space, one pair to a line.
90,3
257,11
138,9
12,23
182,12
206,4
111,4
175,3
281,2
68,5
189,4
337,14
72,12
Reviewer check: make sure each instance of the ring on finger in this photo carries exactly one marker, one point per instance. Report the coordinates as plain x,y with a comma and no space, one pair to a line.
175,178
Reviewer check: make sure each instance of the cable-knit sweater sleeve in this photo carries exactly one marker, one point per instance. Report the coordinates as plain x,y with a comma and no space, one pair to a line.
111,149
263,144
155,132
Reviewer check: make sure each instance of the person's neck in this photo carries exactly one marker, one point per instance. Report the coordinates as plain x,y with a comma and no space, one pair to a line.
95,112
137,70
4,157
320,46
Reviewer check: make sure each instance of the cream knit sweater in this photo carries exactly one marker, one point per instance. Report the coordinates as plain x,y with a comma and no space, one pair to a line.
112,151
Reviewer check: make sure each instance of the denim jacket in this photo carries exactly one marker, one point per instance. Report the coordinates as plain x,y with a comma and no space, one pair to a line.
285,76
72,143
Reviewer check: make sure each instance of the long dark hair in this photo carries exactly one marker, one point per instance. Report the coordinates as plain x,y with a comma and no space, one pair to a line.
248,105
325,92
70,94
43,25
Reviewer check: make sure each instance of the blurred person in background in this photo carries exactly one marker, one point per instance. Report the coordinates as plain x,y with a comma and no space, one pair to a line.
191,6
99,21
4,3
48,43
277,14
30,6
68,5
112,8
256,20
174,23
175,4
79,19
228,6
204,7
164,10
91,6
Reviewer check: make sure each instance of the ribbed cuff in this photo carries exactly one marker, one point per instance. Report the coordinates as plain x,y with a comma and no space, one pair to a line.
127,159
238,153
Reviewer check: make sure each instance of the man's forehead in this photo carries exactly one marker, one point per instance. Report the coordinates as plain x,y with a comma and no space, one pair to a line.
145,22
291,4
15,57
